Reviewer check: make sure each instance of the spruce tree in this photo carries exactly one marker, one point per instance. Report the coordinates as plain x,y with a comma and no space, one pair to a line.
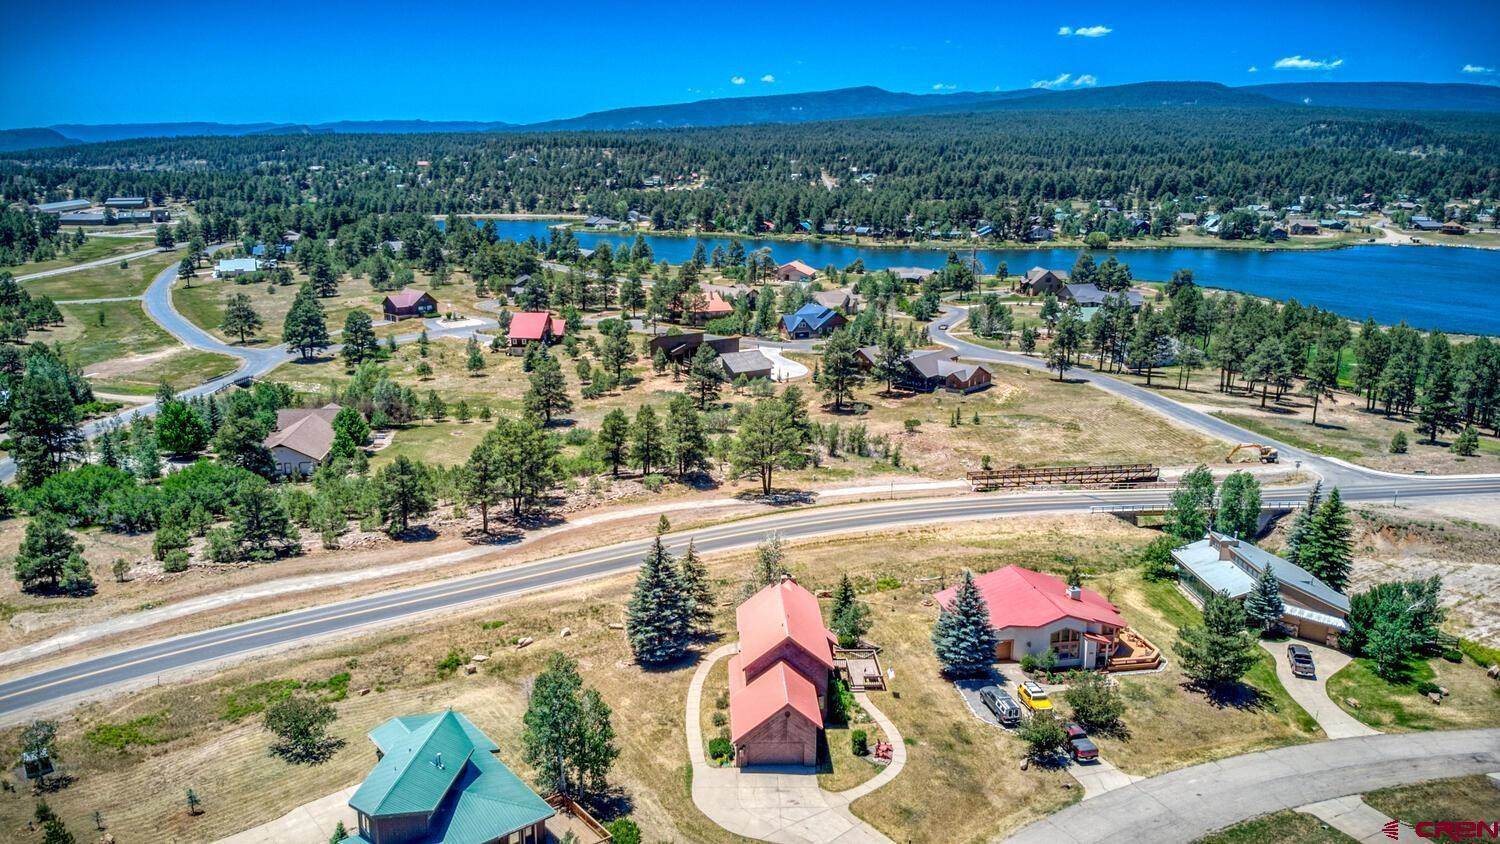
963,638
1328,550
770,565
613,440
705,376
658,618
1263,606
1302,522
360,342
646,447
1216,653
851,617
699,590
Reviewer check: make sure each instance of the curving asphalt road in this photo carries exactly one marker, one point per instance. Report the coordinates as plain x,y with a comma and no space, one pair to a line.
87,678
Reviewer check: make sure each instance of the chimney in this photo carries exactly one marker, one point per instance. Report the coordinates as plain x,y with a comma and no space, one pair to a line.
1075,592
438,761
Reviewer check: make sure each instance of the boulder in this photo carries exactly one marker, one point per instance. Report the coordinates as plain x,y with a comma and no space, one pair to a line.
1443,690
1494,672
616,625
1352,703
364,691
1435,697
523,642
566,631
470,668
479,658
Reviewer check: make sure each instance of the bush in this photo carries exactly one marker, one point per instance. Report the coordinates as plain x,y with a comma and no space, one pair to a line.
623,831
1453,655
168,539
720,719
654,483
1045,662
1398,443
1095,701
1044,736
450,663
1426,687
841,703
720,749
859,743
1481,654
1156,559
176,560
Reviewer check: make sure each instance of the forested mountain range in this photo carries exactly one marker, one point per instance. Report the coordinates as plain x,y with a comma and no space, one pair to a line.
840,104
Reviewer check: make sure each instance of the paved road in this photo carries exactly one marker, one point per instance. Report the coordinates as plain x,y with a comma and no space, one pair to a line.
102,262
1187,804
196,650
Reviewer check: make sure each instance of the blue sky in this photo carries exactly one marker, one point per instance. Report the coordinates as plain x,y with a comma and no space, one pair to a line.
88,62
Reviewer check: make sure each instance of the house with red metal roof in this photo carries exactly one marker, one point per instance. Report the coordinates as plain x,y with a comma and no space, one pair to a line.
778,682
533,327
405,304
712,306
1033,612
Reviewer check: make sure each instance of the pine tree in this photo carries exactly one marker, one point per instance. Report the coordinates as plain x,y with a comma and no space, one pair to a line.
1302,522
1263,606
851,617
705,376
963,638
306,327
240,317
51,557
646,447
658,618
1328,550
698,589
770,565
890,359
613,439
404,492
547,395
840,373
685,441
1216,653
1436,410
360,342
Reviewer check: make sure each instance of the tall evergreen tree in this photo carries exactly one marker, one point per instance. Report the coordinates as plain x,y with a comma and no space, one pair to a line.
360,342
1263,607
684,440
840,373
647,449
51,558
963,638
1302,521
1216,653
890,359
240,317
44,423
658,619
705,376
404,492
1328,549
613,439
850,616
547,394
1436,410
306,326
698,588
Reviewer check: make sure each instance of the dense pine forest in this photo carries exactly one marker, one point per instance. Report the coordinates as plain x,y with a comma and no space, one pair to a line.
949,170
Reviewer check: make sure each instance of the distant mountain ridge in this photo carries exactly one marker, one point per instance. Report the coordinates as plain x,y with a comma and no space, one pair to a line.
839,104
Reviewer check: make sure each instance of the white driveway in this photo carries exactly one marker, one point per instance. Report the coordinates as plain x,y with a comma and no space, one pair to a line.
1312,694
1359,820
783,368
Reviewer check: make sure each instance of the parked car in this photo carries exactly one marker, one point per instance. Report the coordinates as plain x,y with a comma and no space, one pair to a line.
1302,662
1080,747
1001,705
1033,696
943,327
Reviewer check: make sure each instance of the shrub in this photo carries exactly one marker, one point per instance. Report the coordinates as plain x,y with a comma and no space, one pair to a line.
1398,443
1453,655
1095,701
1156,559
176,560
301,727
720,749
654,483
624,831
859,743
1044,736
841,703
1481,654
1426,687
720,719
168,539
450,663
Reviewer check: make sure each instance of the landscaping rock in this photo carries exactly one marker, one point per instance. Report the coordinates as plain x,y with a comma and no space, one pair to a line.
1443,690
470,668
523,642
1352,703
566,632
479,657
616,625
1435,697
1494,672
364,691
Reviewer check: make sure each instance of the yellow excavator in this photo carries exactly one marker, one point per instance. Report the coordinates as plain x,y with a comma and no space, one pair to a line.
1266,453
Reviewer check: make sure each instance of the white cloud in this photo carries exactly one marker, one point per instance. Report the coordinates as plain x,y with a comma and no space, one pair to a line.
1058,82
736,80
1088,80
1253,69
943,86
768,78
1299,63
1096,31
1477,68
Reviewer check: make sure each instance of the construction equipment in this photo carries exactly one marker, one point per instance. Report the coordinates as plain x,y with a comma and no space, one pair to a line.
1266,453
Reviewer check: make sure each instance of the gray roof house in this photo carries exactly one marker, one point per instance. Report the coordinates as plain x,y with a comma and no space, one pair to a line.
749,364
1092,296
62,205
1223,564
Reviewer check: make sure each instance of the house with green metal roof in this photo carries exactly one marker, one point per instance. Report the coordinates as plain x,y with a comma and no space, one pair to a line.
437,780
1228,566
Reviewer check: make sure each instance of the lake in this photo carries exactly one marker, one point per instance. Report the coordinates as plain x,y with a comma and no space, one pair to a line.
1432,287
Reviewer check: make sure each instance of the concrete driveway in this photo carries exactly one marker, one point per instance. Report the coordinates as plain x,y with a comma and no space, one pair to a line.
780,804
1312,694
1186,804
310,822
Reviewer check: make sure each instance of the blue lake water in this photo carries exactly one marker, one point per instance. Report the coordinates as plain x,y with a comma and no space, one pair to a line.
1450,288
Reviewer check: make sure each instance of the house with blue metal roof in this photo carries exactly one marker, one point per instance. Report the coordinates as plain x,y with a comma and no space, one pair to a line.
811,320
437,781
1222,564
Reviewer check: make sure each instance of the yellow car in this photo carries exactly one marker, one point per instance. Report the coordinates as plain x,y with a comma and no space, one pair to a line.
1034,697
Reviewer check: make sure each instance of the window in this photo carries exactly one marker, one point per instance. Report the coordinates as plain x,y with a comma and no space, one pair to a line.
1065,643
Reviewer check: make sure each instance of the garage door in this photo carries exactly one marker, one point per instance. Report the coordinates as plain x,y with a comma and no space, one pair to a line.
772,753
1002,650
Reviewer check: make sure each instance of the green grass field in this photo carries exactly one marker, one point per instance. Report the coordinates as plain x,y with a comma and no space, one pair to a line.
92,250
1286,827
104,282
129,353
